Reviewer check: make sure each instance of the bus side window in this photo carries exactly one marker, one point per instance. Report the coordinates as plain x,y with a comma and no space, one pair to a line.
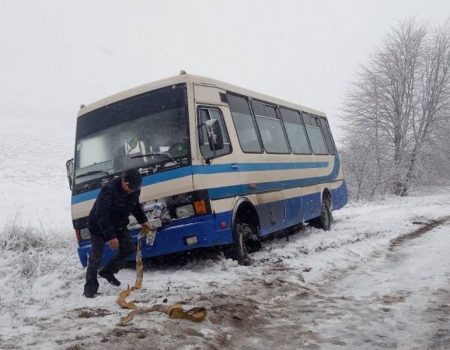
328,136
315,135
270,128
295,131
244,124
205,114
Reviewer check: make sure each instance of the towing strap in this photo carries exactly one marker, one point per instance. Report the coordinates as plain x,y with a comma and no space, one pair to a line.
196,314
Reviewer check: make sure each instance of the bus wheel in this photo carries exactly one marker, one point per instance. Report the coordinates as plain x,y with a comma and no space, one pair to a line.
324,220
243,236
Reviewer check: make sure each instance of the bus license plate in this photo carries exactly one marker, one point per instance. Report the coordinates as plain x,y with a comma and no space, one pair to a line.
151,238
155,222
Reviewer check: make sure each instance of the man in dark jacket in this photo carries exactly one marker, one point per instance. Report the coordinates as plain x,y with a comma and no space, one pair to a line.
108,220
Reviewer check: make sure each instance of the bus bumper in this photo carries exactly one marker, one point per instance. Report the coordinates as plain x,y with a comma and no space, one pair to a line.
177,236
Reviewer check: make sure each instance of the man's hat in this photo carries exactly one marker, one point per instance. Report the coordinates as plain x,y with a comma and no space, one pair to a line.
134,178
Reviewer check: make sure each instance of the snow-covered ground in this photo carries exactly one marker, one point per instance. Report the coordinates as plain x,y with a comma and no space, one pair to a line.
356,286
33,182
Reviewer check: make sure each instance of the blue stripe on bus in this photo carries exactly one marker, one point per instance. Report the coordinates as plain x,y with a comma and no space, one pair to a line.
224,168
85,196
245,189
147,180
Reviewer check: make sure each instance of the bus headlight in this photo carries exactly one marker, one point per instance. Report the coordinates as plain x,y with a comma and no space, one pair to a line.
184,211
83,234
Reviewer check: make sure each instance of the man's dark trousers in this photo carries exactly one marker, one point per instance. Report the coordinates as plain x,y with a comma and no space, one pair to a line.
126,247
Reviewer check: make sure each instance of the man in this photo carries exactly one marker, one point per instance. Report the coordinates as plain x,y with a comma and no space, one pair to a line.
108,222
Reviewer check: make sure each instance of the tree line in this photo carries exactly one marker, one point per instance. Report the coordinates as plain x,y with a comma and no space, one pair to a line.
397,114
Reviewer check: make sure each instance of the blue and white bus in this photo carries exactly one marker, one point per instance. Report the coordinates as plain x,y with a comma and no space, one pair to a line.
230,165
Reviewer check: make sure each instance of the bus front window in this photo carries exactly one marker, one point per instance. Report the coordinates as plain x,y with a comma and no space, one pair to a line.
141,131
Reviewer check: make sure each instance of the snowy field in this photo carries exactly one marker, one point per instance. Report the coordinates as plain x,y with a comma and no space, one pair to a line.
360,285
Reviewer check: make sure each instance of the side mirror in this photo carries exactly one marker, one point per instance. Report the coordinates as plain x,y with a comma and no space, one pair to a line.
214,133
69,170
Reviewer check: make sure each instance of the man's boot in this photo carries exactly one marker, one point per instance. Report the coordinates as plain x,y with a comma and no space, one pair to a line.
109,276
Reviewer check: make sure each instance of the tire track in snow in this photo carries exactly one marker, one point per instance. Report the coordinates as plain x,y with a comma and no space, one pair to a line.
419,232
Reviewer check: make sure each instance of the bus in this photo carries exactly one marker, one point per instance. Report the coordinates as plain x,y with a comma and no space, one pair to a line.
230,166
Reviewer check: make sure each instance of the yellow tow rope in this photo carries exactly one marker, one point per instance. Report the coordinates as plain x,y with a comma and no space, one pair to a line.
196,314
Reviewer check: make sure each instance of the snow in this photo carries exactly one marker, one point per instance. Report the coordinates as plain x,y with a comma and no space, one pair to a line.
32,163
302,291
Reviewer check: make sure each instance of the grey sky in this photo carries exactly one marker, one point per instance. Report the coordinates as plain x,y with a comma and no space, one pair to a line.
58,54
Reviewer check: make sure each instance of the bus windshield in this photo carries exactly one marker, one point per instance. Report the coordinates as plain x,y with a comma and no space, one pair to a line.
149,130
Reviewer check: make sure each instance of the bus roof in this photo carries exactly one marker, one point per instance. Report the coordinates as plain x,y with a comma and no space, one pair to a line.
189,78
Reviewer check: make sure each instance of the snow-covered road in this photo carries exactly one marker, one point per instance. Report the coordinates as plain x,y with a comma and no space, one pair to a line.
395,299
364,285
399,299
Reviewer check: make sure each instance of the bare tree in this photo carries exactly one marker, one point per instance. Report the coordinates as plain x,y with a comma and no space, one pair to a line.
368,172
398,101
433,96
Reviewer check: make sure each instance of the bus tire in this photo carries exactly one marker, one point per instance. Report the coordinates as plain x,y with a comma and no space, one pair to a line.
244,242
240,246
324,220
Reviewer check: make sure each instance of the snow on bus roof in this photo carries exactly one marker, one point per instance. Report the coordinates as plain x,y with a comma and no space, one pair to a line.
196,79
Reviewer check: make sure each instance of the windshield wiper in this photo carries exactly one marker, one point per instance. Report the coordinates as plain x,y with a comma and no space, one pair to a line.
154,154
92,172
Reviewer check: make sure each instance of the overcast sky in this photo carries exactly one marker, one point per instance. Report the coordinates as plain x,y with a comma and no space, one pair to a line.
58,54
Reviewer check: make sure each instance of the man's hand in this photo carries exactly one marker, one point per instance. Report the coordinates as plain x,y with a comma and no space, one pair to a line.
113,243
145,227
